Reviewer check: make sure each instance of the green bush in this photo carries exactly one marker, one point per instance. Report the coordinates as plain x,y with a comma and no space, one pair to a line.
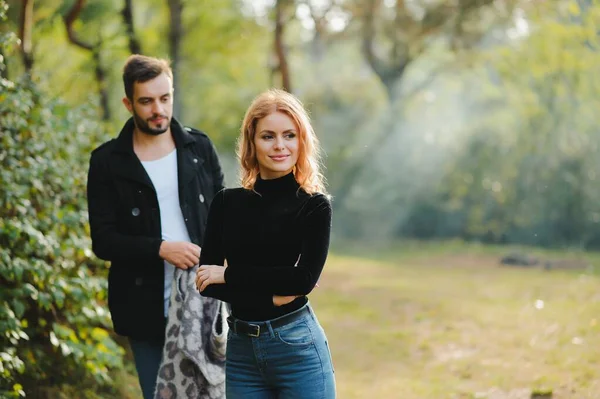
54,326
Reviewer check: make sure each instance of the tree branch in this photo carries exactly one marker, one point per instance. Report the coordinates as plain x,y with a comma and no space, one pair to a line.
70,18
99,71
369,38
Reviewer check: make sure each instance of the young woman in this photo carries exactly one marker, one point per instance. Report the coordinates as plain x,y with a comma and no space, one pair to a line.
273,234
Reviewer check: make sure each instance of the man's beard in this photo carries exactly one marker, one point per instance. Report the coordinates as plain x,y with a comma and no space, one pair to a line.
144,127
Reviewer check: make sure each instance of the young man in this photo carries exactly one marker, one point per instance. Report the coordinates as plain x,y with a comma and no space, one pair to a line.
149,192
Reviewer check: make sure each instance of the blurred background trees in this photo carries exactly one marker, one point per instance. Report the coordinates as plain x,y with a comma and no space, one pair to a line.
471,119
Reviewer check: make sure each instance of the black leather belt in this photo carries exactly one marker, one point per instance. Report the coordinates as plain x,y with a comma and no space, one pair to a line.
255,329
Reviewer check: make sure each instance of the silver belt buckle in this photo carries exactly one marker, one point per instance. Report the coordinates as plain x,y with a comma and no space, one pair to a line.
257,330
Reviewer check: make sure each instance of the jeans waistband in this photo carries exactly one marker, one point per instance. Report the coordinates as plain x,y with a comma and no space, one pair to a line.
254,329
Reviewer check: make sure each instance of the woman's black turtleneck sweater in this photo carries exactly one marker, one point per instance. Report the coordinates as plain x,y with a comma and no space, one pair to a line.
275,240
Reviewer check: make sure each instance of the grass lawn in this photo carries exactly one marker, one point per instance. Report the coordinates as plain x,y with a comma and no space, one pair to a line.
433,321
447,321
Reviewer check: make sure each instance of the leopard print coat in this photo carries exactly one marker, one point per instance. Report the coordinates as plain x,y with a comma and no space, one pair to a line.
193,363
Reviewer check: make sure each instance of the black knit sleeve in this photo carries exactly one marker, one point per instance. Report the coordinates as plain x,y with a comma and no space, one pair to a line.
213,253
290,280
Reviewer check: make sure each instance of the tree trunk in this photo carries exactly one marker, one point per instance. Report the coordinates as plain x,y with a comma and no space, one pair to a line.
127,12
351,173
282,64
392,70
99,71
406,38
317,46
26,33
175,35
102,85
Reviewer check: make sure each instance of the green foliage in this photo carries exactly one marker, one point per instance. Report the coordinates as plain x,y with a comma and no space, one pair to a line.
223,62
528,172
53,319
501,149
221,77
501,146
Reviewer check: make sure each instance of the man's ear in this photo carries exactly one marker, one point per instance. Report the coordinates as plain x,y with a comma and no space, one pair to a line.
128,105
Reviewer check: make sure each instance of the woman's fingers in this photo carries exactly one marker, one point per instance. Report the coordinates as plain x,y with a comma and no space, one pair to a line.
209,274
202,282
204,285
202,278
202,272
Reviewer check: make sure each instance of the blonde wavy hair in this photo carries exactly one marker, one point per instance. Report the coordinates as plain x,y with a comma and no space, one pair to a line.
307,170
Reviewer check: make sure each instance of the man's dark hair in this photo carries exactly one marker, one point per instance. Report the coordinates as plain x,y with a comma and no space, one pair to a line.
140,68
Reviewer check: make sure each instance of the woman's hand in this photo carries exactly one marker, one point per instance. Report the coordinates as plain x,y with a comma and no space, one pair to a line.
279,300
209,274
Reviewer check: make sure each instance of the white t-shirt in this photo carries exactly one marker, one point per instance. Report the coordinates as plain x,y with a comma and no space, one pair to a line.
163,173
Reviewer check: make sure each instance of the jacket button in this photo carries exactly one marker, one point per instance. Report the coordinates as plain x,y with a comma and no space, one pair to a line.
201,197
195,160
135,211
139,281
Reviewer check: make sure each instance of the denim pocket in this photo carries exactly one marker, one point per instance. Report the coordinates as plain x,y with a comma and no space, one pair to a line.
297,334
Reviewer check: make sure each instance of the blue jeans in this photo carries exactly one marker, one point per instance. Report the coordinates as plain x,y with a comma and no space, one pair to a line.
147,355
288,362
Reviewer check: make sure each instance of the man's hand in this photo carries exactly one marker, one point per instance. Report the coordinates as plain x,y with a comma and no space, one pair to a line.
280,300
180,254
209,274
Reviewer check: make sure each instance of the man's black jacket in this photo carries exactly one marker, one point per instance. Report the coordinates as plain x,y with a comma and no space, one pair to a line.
125,222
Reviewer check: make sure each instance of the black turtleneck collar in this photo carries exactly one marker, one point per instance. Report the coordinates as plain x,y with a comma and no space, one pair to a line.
281,185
